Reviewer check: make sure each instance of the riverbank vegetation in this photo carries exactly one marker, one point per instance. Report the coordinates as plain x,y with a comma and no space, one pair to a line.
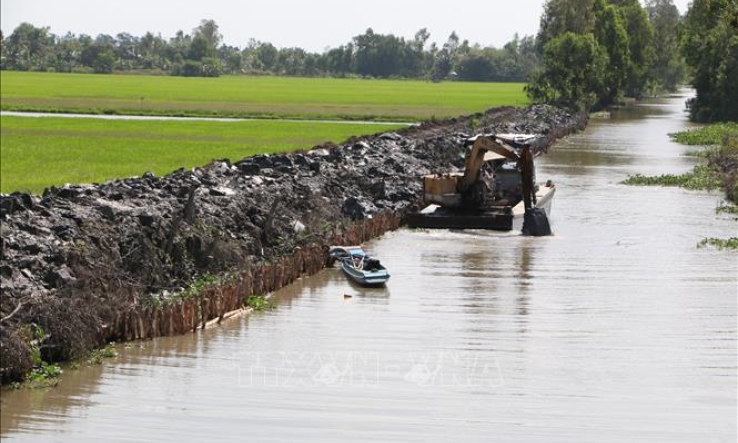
719,172
711,135
721,141
719,243
42,373
247,96
40,152
701,177
709,38
595,52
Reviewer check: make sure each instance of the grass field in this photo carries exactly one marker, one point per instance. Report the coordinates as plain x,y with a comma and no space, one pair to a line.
40,152
241,96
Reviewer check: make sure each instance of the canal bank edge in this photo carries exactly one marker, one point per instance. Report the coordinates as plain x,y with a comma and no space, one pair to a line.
93,263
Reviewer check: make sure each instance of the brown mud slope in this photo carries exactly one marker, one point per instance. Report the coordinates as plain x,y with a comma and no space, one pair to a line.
150,256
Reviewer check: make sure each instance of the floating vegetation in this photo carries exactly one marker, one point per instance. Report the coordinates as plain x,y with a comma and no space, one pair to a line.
600,115
43,375
700,153
719,243
99,355
727,209
708,135
259,303
701,177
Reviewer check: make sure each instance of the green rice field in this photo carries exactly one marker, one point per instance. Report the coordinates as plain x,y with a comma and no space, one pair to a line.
39,152
248,96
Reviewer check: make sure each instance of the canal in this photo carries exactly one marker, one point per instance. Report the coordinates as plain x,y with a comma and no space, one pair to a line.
617,328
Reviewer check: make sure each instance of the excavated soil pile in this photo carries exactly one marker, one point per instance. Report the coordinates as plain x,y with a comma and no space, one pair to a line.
149,256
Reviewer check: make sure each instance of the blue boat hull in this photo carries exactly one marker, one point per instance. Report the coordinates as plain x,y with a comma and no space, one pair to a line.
365,278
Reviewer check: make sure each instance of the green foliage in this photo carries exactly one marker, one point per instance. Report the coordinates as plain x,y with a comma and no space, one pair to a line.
27,48
475,68
700,153
600,115
104,62
193,289
190,68
515,61
719,243
610,33
701,177
713,134
259,303
574,72
731,209
210,67
97,356
40,152
562,16
43,374
593,52
640,44
200,48
202,54
709,41
668,64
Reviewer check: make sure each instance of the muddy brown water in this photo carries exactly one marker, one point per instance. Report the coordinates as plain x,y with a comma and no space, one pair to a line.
615,329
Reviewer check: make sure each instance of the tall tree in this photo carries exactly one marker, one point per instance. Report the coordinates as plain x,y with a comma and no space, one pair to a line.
560,16
668,64
210,31
710,46
3,47
28,47
640,44
200,48
66,53
611,35
574,73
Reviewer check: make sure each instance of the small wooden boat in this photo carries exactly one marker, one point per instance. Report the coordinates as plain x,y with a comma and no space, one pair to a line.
359,266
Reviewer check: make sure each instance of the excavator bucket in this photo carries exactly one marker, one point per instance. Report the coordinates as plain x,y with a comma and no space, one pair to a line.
535,223
535,220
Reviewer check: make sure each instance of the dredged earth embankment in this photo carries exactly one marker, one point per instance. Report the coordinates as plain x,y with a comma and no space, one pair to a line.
150,256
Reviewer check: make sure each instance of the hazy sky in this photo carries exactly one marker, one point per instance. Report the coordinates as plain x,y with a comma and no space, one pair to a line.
313,25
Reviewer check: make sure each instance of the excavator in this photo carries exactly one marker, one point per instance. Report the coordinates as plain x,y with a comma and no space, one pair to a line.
497,189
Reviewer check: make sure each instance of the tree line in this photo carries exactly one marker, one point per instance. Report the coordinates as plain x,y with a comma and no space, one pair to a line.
203,53
595,52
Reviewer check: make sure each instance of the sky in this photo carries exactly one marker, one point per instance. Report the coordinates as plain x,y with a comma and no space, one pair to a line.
313,25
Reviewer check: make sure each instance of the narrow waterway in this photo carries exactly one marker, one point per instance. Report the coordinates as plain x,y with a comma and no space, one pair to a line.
615,329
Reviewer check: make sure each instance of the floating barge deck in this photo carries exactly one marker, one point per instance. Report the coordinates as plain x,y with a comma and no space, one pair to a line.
498,218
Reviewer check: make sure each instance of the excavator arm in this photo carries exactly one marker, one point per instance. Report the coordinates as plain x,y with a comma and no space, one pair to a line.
475,160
